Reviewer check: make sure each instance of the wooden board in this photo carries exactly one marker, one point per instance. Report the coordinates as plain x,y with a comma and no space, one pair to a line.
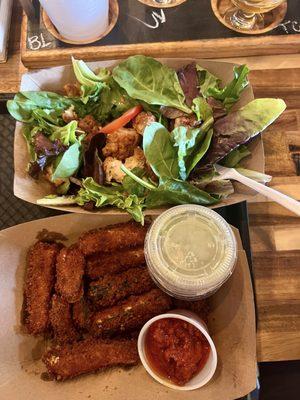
189,29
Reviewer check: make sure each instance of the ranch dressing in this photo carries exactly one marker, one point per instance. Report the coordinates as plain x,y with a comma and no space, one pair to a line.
190,251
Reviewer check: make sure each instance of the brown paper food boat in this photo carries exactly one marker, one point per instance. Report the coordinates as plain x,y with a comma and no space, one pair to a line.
231,324
53,79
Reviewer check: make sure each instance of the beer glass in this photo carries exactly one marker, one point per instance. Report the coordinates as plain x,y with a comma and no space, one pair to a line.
162,3
248,14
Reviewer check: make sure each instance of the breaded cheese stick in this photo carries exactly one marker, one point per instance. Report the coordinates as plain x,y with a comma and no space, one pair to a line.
89,355
110,289
112,238
61,321
80,314
69,272
39,282
100,264
131,314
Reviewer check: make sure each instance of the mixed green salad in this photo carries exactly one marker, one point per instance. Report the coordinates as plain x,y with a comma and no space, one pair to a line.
140,136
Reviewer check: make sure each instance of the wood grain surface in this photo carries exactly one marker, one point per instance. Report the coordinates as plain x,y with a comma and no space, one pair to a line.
205,48
275,232
11,71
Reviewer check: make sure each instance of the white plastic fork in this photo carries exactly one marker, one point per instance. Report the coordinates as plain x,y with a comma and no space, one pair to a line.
280,198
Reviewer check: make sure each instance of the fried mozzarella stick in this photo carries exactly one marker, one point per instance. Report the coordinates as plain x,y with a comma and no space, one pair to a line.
80,314
61,321
89,355
101,264
112,238
131,314
39,282
69,272
109,290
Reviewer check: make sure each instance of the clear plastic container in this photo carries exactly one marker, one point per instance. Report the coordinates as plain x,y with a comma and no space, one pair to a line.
190,251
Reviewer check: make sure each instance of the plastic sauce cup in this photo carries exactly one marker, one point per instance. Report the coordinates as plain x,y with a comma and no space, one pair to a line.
204,375
190,251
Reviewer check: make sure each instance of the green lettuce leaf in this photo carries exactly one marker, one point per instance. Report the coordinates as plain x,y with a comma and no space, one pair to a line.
28,132
101,94
171,191
86,76
91,84
66,134
159,151
110,196
131,186
235,156
202,109
240,126
69,163
146,79
64,187
113,102
199,153
34,106
175,192
207,81
230,94
186,140
221,188
192,145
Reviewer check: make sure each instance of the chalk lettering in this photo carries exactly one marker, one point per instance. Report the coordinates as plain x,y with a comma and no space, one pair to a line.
296,26
283,25
158,17
37,42
290,26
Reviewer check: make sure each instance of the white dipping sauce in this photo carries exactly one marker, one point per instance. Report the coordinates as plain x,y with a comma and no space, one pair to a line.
190,251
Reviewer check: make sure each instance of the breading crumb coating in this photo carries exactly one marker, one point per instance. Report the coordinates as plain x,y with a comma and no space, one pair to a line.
89,355
61,321
101,264
39,282
69,272
112,238
130,314
109,290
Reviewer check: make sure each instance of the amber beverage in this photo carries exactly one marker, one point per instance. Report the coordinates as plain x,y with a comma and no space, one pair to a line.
248,15
257,6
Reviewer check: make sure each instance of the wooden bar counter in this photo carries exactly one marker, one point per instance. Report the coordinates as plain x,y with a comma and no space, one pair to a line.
275,232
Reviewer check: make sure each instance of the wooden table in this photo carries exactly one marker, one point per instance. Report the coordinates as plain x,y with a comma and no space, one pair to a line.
275,232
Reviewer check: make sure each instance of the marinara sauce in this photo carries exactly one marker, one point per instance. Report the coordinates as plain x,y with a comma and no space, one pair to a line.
176,350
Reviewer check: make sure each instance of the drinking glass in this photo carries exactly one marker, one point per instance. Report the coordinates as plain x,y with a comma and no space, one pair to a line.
78,20
248,14
162,3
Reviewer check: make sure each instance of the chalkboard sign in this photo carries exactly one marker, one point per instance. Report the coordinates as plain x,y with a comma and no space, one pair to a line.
189,29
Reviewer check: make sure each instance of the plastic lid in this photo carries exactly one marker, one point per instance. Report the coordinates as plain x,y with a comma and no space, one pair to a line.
190,251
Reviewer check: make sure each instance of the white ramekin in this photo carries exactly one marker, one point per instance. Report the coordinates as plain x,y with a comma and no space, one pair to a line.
206,373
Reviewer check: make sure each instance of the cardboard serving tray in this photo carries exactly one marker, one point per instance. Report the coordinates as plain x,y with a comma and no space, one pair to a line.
53,79
231,324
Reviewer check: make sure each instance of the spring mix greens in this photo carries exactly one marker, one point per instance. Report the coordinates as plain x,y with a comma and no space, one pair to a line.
140,136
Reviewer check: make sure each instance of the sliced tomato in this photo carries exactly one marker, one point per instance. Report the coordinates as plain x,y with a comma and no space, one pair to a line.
123,120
